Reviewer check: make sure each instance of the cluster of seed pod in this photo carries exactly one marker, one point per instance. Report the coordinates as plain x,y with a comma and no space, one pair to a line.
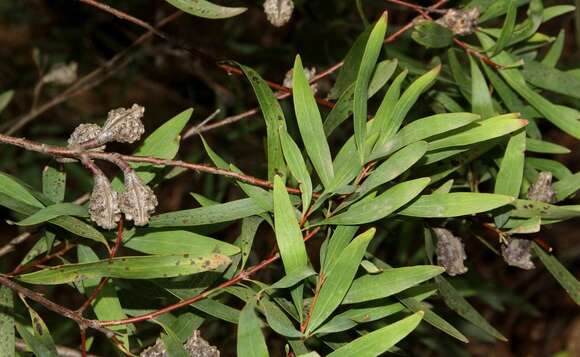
460,22
137,202
278,12
450,252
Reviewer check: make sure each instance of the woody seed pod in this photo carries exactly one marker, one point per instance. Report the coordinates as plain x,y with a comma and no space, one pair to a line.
309,72
460,22
103,204
123,125
278,12
138,201
542,189
195,346
450,252
517,253
84,133
62,74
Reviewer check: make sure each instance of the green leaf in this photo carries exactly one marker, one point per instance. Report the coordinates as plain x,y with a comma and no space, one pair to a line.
338,279
292,278
480,131
511,171
567,186
454,204
53,211
507,28
275,122
106,305
245,240
553,56
404,104
432,35
559,272
80,228
545,147
169,242
389,282
560,117
530,25
163,143
394,166
379,341
337,242
53,184
297,166
170,340
347,74
277,319
491,9
205,9
368,62
546,77
12,188
6,322
5,99
310,125
146,267
559,170
381,206
288,237
251,342
224,212
42,340
461,78
457,303
380,123
555,11
374,311
424,128
529,209
481,102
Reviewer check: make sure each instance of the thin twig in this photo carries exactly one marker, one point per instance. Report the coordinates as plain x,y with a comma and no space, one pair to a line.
114,157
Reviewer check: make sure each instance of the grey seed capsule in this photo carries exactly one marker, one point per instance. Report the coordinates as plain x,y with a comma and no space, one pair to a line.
460,22
103,204
124,125
84,133
517,253
542,189
62,74
138,201
309,72
195,346
278,12
450,252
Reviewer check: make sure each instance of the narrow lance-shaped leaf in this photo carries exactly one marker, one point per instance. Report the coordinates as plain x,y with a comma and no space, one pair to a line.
5,99
383,205
560,117
480,98
507,28
457,303
338,279
380,122
389,282
6,322
298,168
559,272
368,62
510,174
225,212
53,184
404,104
277,319
274,118
42,343
347,74
53,211
379,341
454,204
288,237
310,125
567,186
551,58
552,79
206,9
146,267
251,341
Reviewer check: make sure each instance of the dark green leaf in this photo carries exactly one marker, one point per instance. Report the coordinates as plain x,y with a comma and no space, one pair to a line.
56,210
297,166
567,186
53,184
507,28
481,102
559,272
432,35
546,77
454,204
251,342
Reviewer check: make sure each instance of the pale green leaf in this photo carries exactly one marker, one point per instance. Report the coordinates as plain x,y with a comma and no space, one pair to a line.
310,125
53,211
206,9
454,204
298,167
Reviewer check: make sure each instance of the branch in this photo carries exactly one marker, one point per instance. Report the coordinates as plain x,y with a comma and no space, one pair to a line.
114,157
